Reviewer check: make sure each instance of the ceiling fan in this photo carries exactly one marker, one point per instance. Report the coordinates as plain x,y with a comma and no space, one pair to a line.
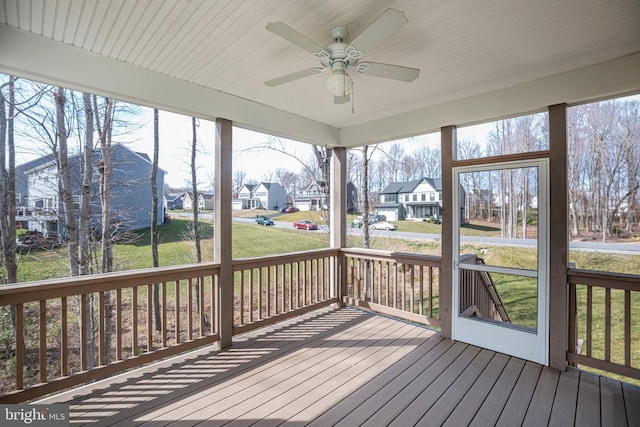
339,57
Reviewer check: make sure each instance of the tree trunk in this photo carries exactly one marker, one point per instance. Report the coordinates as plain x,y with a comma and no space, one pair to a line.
105,167
365,196
65,183
154,221
196,206
8,186
194,189
85,236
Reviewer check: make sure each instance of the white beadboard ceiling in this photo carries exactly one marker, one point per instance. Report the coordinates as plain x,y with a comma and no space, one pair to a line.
464,49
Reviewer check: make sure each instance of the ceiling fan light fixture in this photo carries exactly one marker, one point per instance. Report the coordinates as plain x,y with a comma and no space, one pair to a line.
339,83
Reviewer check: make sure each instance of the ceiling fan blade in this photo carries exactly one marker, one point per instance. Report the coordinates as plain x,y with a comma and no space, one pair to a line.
341,99
293,76
291,35
386,24
388,71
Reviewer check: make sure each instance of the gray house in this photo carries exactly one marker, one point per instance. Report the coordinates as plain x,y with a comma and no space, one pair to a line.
415,200
40,207
264,195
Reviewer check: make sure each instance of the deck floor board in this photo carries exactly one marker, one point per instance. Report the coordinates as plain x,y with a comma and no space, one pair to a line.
348,367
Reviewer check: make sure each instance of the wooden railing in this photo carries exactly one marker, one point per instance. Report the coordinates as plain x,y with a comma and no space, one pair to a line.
399,284
604,332
65,332
271,289
478,294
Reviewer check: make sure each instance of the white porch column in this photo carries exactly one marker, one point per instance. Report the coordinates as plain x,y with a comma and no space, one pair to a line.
222,229
338,217
448,152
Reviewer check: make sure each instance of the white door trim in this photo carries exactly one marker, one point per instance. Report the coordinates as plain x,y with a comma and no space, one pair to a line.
513,340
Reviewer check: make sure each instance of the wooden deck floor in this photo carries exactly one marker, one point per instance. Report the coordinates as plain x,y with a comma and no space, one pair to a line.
347,367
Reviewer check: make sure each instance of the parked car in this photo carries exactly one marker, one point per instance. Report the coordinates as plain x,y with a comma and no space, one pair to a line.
383,225
357,222
291,209
376,218
263,220
305,224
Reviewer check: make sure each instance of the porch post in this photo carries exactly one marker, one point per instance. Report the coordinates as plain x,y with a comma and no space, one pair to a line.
558,238
338,218
222,229
448,154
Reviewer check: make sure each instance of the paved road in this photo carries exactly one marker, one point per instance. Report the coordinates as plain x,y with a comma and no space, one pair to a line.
619,248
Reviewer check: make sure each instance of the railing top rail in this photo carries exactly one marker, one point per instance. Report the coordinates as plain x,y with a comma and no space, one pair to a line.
399,257
56,288
604,279
262,261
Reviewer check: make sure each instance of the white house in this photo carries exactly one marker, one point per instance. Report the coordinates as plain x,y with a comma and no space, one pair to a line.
417,199
265,195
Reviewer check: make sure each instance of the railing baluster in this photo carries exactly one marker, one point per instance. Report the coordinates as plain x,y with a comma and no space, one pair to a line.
573,325
251,296
201,307
163,305
589,320
64,344
413,288
395,286
176,288
388,281
134,321
241,308
149,319
190,309
84,313
430,284
421,291
289,268
118,324
212,298
102,354
269,293
19,346
304,283
607,324
42,352
627,328
260,297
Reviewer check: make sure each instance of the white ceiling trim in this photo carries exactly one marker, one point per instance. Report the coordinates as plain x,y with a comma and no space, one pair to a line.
41,59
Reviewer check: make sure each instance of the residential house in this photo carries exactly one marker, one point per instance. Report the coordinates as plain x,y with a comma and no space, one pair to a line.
264,195
417,199
206,201
314,197
42,209
175,200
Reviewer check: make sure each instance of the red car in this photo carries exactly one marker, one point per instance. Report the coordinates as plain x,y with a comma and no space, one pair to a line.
305,225
291,209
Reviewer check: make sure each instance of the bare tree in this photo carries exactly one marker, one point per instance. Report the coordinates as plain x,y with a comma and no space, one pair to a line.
85,235
64,182
194,190
7,185
239,177
154,220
